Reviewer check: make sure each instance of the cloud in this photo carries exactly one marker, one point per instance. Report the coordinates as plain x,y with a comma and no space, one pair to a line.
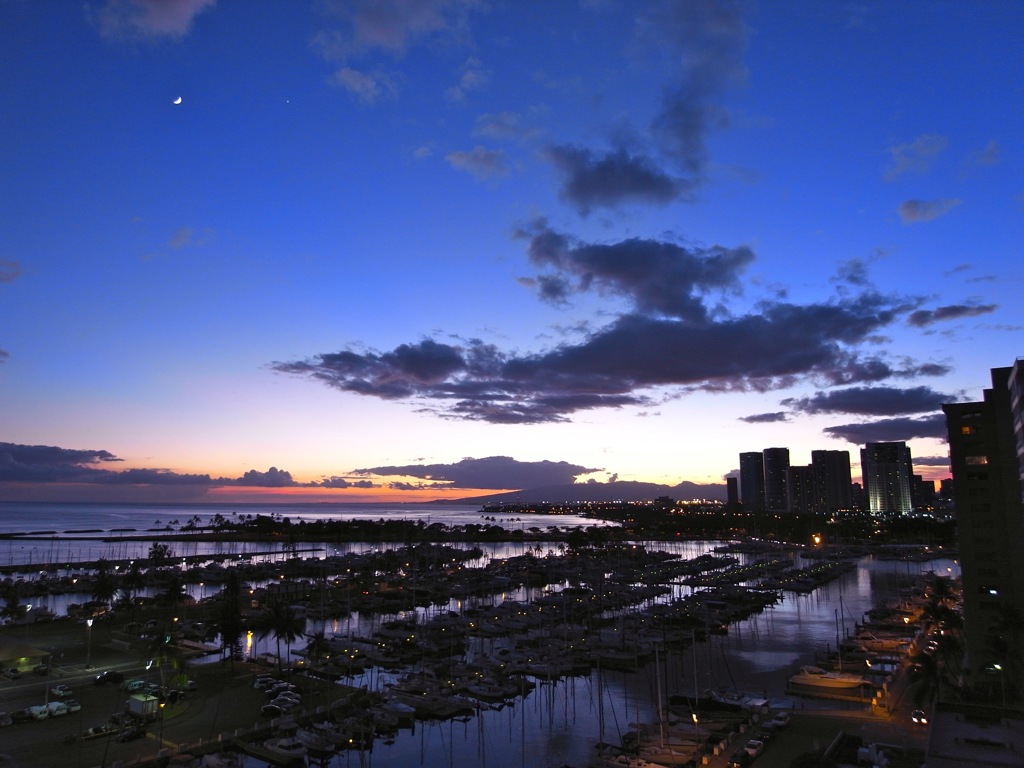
341,482
703,40
665,338
872,401
365,86
611,180
931,461
505,126
473,77
890,430
706,40
182,236
655,276
4,356
988,156
915,157
480,162
915,211
149,19
272,478
493,472
765,418
51,464
154,477
9,271
391,25
922,318
47,463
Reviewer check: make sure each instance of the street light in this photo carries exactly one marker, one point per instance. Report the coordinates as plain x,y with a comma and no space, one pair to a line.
88,646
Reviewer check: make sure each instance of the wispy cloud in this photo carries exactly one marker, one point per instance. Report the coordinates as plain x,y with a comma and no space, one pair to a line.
872,401
775,417
481,162
915,156
925,317
367,87
915,211
493,472
149,19
473,77
9,271
705,41
890,430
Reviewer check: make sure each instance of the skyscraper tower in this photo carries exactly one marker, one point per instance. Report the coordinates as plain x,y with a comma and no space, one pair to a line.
986,449
776,462
832,482
752,481
887,473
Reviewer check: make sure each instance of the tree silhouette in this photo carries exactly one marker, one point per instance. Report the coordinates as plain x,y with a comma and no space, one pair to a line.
230,616
280,619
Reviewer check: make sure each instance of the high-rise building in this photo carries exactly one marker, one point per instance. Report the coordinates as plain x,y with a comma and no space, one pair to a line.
887,471
986,449
732,494
800,489
833,487
752,481
776,462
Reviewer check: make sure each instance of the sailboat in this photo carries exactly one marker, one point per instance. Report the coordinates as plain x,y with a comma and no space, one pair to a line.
819,678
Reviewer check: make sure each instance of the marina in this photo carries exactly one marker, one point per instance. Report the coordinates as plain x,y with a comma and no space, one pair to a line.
441,656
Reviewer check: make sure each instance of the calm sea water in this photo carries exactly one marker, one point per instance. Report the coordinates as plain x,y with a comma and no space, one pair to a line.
559,722
72,532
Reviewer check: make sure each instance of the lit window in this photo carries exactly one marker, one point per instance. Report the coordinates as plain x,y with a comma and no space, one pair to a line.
966,430
977,460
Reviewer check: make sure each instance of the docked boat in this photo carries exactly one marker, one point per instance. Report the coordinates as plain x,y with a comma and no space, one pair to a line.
820,678
287,747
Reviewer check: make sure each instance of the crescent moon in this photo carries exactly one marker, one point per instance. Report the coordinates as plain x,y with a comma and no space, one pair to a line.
178,100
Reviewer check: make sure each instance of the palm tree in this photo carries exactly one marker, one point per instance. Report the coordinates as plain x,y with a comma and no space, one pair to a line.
318,647
281,620
104,586
230,616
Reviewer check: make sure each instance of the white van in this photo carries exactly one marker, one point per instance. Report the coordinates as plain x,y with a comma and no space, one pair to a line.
57,708
39,712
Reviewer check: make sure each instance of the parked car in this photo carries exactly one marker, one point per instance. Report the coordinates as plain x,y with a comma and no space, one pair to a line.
754,747
134,685
39,712
109,676
264,681
12,673
57,708
271,710
131,733
73,705
778,720
61,691
740,759
5,719
21,716
41,669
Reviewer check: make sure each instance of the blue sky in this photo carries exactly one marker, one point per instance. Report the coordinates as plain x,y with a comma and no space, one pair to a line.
597,239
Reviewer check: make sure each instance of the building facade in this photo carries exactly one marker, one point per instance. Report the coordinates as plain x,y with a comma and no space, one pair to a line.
752,481
833,485
887,472
986,447
776,467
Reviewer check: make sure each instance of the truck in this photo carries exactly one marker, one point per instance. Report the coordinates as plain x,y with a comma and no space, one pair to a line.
143,706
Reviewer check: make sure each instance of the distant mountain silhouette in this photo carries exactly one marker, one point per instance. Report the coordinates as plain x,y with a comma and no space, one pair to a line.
617,491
